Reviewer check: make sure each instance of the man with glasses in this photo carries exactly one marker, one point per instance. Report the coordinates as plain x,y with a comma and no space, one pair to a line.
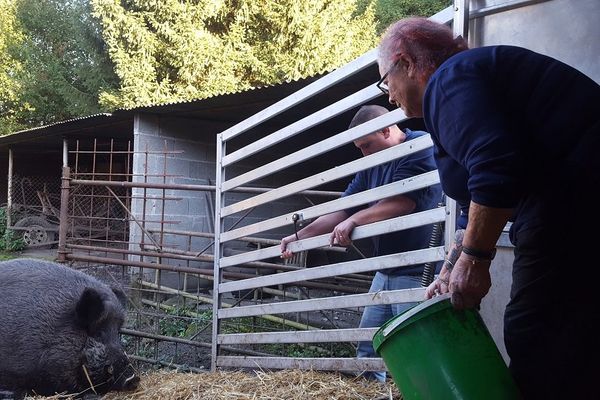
516,136
342,223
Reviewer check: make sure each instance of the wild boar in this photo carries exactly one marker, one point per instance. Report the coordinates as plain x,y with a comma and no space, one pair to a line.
59,331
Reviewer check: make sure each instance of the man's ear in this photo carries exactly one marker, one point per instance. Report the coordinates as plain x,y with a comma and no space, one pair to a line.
386,132
408,65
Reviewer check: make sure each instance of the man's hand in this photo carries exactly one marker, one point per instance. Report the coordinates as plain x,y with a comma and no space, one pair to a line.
439,285
470,280
341,233
285,253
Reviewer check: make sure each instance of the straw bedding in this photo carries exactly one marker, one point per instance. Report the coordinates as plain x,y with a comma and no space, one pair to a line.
255,385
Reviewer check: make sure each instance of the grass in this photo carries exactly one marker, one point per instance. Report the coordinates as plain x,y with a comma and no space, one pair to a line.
4,256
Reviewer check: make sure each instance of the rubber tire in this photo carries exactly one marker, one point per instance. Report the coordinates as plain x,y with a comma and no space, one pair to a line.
38,232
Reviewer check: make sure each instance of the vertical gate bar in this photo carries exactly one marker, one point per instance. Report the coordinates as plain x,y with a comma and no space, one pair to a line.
217,273
73,199
460,24
128,178
77,157
144,199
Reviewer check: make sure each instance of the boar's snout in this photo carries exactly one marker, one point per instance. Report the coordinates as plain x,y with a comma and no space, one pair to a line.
128,379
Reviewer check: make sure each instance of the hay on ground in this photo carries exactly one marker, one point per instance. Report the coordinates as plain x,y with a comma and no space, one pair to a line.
255,385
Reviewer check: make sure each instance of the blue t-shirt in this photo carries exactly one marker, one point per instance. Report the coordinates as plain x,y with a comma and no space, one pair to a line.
512,127
425,199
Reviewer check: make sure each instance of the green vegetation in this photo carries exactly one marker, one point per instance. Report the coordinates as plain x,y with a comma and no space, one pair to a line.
62,59
53,64
8,240
177,323
389,11
172,51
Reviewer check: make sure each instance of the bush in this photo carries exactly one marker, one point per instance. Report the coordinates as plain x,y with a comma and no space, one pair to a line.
8,240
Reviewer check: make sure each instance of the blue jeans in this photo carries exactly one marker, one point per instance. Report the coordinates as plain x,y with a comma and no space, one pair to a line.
375,316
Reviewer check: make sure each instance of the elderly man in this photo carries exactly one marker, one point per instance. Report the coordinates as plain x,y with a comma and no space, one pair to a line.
516,135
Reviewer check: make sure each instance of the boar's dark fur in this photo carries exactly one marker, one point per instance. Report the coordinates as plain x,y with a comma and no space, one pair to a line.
56,322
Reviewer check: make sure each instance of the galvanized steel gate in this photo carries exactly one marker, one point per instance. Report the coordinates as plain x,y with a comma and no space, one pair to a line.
227,206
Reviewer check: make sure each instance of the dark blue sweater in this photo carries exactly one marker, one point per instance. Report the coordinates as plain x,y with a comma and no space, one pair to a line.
512,127
425,199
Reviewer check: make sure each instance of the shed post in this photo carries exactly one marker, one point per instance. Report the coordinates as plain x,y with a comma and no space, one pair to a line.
9,191
65,186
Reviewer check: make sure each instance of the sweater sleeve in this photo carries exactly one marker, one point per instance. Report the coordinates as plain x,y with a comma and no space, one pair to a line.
473,128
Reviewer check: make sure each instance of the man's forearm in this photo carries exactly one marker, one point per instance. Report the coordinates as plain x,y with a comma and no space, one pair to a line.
485,226
384,209
323,224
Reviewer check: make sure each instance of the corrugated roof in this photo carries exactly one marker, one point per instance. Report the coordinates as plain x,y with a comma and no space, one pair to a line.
58,123
224,109
303,81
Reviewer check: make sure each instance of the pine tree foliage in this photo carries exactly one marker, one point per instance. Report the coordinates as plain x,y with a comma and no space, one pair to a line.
11,37
61,59
389,11
174,50
59,64
64,60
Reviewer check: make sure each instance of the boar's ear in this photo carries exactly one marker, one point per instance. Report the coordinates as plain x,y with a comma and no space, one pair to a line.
90,308
120,295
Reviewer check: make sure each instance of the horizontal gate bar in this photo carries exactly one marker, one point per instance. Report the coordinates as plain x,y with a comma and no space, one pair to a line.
332,174
324,364
327,303
350,267
362,96
357,199
308,152
360,232
317,336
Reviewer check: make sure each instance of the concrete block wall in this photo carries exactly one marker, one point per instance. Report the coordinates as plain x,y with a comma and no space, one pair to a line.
193,144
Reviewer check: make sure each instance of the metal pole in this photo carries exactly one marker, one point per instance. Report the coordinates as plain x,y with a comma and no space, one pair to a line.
9,193
65,153
460,25
65,187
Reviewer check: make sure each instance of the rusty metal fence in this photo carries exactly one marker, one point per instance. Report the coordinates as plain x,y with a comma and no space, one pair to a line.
120,222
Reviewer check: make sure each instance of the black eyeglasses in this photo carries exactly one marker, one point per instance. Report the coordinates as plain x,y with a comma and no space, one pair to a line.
381,85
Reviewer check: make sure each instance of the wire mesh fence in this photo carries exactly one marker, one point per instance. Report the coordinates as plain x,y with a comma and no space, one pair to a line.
34,209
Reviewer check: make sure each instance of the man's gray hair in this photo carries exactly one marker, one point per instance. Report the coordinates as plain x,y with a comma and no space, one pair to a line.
367,113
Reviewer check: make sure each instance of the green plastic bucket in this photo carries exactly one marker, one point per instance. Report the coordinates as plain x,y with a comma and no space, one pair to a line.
435,352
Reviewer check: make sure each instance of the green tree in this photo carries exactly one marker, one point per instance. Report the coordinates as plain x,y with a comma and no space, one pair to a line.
174,50
389,11
11,37
59,64
65,63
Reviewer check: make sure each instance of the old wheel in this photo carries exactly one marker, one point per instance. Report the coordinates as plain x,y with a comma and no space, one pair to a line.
35,231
